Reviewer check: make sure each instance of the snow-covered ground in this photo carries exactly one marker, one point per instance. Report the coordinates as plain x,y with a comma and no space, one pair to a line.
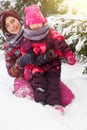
24,114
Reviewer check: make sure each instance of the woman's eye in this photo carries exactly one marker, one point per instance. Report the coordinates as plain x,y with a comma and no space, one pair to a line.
12,21
7,26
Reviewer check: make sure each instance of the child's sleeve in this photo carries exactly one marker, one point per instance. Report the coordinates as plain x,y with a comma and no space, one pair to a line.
61,47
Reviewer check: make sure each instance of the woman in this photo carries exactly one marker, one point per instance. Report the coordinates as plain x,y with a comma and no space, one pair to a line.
13,29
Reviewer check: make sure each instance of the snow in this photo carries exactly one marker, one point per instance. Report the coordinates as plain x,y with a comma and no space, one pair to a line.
80,44
12,2
22,113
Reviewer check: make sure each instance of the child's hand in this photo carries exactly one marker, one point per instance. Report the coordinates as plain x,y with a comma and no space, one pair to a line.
70,58
37,69
39,48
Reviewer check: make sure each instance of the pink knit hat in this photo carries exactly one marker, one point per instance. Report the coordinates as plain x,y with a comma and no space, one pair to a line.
33,15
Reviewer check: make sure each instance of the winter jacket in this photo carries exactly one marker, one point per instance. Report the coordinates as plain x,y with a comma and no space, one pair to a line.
55,41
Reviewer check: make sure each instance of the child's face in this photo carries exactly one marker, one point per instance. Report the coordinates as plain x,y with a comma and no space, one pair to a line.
35,26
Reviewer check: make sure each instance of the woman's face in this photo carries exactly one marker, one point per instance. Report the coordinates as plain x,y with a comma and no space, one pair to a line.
12,25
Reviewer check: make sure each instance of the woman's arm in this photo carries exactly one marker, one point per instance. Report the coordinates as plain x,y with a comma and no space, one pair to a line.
11,57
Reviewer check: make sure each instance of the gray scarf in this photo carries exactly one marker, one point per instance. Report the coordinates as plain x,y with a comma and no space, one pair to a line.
36,35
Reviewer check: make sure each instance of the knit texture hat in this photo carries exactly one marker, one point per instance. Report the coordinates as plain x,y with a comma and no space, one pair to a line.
3,17
33,15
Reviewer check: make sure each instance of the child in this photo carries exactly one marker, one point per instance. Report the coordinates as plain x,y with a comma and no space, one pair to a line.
45,84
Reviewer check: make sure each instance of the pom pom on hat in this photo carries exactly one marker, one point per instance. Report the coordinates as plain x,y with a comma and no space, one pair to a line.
34,15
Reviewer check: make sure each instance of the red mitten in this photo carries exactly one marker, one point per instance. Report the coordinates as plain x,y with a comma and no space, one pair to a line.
71,58
39,48
37,69
28,71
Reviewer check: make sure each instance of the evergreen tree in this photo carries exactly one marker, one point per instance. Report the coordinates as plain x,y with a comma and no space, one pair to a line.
48,7
75,31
